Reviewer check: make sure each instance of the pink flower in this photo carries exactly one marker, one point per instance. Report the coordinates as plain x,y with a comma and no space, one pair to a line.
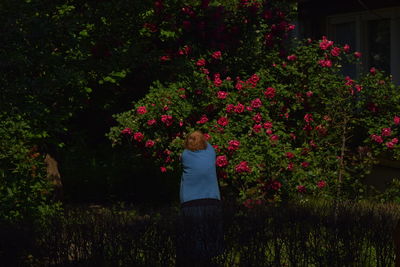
309,94
221,161
386,132
290,166
180,123
289,155
222,94
346,48
230,108
389,144
202,120
138,136
233,145
207,136
335,51
127,131
395,140
256,103
257,117
269,131
301,188
223,121
358,87
151,122
274,138
239,108
163,169
308,117
167,120
325,63
321,184
291,57
325,43
270,92
396,120
377,138
305,164
242,167
248,108
141,110
201,62
372,71
253,80
257,128
357,54
149,143
216,55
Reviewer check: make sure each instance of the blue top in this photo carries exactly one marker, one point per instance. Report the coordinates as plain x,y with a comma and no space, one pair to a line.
199,178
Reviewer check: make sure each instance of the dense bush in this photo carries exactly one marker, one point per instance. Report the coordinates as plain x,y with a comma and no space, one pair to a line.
24,189
305,234
294,128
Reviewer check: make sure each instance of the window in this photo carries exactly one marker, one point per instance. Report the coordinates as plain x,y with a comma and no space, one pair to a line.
375,33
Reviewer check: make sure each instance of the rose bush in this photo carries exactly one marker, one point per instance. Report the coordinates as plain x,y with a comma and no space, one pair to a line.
296,127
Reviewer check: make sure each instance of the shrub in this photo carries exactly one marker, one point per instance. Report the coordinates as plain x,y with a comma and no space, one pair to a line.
294,128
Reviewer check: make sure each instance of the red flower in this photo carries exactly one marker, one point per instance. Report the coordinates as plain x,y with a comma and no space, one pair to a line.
165,58
207,136
257,117
325,43
274,137
149,143
167,120
372,71
346,48
301,188
308,117
233,145
163,169
309,94
396,120
305,164
386,132
256,103
202,120
222,94
138,136
377,138
242,167
321,184
335,51
289,155
239,108
389,144
325,63
221,161
291,57
357,54
290,166
216,55
239,85
275,185
217,80
223,121
201,62
257,128
230,108
267,125
127,131
151,122
270,92
395,140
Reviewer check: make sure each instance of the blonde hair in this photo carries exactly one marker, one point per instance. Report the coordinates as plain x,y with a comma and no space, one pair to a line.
195,141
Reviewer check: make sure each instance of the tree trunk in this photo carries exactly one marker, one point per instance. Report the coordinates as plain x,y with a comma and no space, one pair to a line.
53,175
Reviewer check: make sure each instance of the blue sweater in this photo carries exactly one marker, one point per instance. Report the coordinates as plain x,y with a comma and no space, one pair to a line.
199,178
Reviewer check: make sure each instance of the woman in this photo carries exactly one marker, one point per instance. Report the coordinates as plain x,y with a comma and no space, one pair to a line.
201,235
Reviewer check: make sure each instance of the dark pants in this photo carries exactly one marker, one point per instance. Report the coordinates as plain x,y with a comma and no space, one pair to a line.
200,233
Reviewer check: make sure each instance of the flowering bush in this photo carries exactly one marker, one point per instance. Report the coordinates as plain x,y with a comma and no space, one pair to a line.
293,128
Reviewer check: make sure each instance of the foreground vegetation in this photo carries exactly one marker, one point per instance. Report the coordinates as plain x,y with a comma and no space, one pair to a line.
302,234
